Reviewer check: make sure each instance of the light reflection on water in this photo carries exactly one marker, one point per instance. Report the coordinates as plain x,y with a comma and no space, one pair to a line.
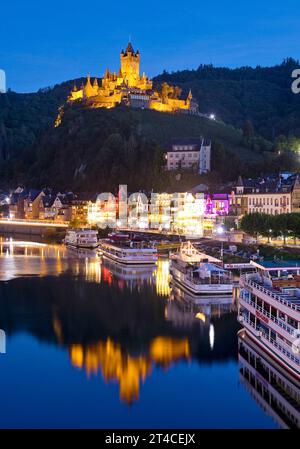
116,324
19,259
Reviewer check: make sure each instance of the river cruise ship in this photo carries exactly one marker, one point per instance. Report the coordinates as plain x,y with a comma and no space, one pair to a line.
199,273
128,250
269,310
269,383
81,238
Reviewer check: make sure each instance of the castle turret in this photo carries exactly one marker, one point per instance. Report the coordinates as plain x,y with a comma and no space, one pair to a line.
95,86
88,88
189,99
130,65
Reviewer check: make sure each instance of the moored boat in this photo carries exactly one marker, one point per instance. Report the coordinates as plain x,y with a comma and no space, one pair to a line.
269,310
200,273
269,383
82,238
128,250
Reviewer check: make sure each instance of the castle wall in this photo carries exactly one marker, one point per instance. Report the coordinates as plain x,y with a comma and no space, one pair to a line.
113,88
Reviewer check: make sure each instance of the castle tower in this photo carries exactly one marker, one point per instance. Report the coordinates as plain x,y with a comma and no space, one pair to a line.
88,89
130,65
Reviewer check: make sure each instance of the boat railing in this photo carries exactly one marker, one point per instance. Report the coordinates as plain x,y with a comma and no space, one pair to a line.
279,322
206,281
215,280
283,350
251,283
274,343
127,246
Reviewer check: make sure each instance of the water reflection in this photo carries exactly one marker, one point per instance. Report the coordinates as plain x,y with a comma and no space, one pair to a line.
118,323
24,258
128,370
269,383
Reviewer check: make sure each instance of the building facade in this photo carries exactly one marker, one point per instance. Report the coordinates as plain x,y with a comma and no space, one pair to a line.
271,196
189,154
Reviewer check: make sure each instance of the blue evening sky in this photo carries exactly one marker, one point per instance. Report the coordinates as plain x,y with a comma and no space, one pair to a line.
47,42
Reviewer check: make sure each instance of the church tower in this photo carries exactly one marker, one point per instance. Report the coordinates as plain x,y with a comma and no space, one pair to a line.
130,66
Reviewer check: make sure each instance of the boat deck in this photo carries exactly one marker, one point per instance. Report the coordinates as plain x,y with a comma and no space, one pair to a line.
282,296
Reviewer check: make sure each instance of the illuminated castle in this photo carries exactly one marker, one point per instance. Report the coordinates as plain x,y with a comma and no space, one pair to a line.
130,88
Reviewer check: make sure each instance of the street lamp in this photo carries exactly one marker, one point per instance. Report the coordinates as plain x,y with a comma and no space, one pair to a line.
270,232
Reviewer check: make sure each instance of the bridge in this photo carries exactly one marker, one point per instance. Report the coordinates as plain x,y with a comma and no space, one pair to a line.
24,226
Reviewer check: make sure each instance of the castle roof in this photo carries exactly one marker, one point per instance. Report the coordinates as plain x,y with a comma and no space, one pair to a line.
129,48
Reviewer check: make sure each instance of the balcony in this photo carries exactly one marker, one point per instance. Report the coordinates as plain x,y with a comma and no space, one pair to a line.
286,300
282,324
277,347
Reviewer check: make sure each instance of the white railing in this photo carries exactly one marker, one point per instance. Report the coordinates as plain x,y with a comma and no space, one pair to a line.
280,323
274,343
269,293
282,349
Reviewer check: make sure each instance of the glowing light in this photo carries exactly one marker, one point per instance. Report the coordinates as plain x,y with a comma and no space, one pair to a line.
162,276
200,316
211,336
24,222
220,230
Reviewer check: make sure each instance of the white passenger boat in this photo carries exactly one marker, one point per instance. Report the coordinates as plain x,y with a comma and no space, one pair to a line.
199,273
269,383
82,238
128,250
269,310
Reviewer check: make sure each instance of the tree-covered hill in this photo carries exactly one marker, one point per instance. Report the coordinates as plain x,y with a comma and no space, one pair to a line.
97,149
24,117
262,95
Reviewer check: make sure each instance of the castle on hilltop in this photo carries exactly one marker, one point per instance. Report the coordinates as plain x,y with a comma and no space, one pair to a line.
130,88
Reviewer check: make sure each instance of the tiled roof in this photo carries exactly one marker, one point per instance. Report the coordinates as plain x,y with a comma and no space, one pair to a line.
186,141
269,184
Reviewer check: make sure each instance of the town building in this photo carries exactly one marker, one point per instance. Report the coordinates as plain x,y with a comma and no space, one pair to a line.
31,204
181,213
101,211
189,154
272,195
130,88
25,203
217,204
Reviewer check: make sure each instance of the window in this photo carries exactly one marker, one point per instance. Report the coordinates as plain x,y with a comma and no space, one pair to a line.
292,322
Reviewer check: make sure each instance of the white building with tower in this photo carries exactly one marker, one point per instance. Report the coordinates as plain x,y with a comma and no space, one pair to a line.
189,154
